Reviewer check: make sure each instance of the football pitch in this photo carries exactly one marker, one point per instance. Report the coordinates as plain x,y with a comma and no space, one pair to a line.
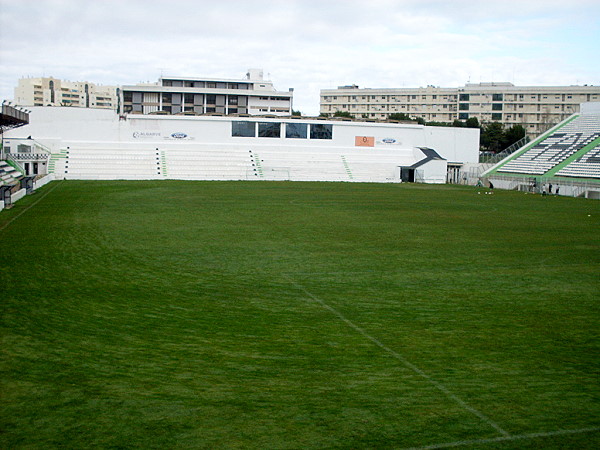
168,314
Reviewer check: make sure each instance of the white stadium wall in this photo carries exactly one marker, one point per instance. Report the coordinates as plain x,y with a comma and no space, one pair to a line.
99,144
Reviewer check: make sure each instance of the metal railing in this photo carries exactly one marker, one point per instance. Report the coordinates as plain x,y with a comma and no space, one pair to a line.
28,156
548,185
497,157
9,159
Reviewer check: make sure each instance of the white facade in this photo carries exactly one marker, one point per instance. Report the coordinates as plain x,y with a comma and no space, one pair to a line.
48,91
94,144
183,95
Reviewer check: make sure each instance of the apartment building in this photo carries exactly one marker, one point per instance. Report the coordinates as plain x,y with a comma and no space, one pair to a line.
177,95
48,91
536,108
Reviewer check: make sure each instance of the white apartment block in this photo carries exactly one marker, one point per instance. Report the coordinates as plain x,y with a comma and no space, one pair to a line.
252,95
48,91
536,108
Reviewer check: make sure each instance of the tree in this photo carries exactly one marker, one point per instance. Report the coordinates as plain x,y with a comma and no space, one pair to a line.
472,122
296,113
399,116
342,114
458,123
492,136
512,135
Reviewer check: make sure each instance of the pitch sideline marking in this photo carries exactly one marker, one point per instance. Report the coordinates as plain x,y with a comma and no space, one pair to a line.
30,206
401,358
506,438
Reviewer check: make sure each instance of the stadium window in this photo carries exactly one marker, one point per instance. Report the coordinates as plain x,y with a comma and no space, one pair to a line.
321,131
166,98
464,97
496,116
496,106
463,106
463,116
211,99
242,129
269,129
496,97
296,130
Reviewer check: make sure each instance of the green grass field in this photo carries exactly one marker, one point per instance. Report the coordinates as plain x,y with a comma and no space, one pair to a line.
298,315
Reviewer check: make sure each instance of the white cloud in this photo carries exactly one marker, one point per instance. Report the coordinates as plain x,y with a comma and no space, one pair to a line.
305,44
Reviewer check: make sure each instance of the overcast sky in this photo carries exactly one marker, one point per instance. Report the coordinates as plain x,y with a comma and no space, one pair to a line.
307,45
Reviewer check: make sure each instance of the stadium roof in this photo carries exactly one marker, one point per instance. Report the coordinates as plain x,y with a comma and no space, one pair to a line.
12,117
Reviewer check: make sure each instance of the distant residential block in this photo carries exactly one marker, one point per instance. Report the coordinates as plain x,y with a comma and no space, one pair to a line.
536,108
48,91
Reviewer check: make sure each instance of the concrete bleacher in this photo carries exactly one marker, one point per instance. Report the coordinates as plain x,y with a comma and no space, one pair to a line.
555,148
203,162
225,162
93,163
300,165
380,168
8,174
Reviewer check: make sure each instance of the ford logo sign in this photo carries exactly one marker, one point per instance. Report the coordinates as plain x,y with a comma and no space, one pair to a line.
389,141
178,135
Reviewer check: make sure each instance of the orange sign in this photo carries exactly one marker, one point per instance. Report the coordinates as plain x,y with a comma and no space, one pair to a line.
364,141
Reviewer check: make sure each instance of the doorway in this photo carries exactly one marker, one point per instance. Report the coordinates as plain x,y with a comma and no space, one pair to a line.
407,175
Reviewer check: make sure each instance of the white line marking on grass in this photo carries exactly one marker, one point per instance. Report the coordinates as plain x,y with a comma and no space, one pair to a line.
400,358
29,207
515,437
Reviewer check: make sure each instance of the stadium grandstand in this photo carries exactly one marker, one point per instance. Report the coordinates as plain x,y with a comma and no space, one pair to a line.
86,144
24,170
565,160
10,172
